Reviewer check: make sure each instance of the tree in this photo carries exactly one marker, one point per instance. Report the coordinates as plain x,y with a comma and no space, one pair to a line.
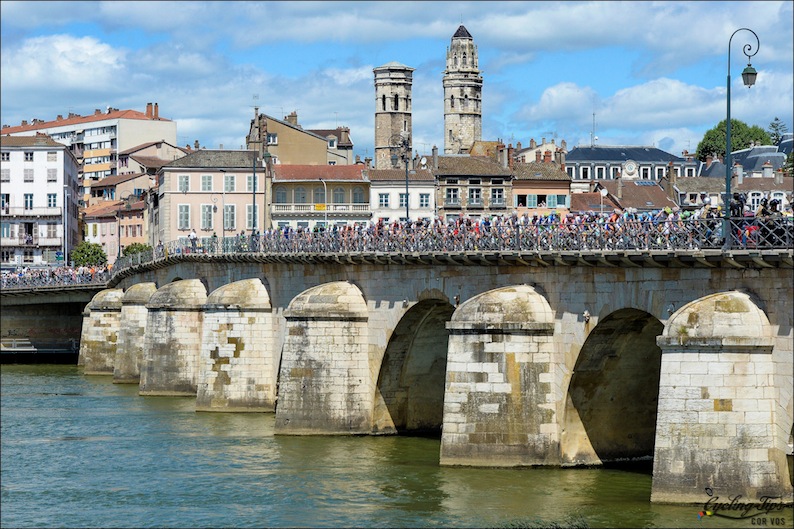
134,248
776,130
788,166
742,136
89,254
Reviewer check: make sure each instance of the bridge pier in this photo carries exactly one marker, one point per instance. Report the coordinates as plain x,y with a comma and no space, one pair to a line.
325,382
173,339
238,361
98,343
132,333
716,425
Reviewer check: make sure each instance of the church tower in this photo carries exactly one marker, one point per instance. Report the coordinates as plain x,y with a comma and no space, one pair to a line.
393,83
462,95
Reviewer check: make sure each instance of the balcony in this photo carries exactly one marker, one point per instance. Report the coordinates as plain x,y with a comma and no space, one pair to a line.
30,212
476,204
313,210
498,204
452,203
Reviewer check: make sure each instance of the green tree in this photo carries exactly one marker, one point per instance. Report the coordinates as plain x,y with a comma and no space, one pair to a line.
776,130
788,166
742,135
89,254
134,248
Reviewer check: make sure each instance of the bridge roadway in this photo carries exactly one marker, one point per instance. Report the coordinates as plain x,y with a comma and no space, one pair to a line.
515,358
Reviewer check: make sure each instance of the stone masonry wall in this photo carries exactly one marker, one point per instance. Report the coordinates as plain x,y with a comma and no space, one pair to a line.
132,334
98,344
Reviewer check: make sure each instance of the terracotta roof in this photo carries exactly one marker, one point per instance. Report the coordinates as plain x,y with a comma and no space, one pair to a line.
76,120
470,166
142,146
297,173
581,202
110,181
640,194
539,171
102,210
398,175
39,140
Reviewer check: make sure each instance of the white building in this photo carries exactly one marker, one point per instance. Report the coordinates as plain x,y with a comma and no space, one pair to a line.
96,139
387,193
39,176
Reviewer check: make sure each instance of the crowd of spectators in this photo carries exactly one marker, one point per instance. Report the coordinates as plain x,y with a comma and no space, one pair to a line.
53,276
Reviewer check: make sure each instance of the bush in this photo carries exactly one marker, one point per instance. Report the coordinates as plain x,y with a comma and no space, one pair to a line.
88,254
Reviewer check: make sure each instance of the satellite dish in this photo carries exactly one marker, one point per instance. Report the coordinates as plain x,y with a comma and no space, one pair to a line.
604,192
423,161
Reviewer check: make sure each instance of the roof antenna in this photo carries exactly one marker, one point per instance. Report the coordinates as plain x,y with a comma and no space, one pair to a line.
593,137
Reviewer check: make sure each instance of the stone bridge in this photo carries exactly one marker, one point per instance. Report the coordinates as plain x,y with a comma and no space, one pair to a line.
516,359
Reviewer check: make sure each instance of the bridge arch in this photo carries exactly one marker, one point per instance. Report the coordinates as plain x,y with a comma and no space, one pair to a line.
499,381
410,386
612,397
325,381
100,336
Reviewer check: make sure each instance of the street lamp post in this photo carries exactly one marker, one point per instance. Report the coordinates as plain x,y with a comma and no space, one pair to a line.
223,204
748,77
65,221
253,198
325,199
403,143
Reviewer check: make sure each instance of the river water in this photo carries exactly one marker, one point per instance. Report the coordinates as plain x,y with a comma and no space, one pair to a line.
80,451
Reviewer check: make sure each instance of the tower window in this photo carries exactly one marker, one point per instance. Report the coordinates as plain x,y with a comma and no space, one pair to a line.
464,60
455,60
396,102
384,101
452,101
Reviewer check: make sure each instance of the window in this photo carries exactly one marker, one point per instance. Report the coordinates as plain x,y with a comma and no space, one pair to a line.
251,212
475,182
206,182
28,175
600,172
52,200
184,216
5,175
28,200
230,217
358,195
94,229
5,229
403,200
475,196
319,195
562,201
690,171
452,101
52,156
272,138
184,183
332,143
452,196
249,182
339,195
52,175
645,173
6,157
28,156
228,183
424,200
497,196
206,216
383,200
4,200
281,195
52,230
585,173
332,162
614,172
300,195
659,173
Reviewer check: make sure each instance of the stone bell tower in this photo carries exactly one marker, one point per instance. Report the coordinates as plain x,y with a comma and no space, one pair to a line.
462,95
393,83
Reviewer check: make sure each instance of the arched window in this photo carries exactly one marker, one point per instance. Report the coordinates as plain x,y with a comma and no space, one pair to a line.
452,101
466,101
300,195
455,60
281,195
396,102
358,195
383,100
339,195
464,60
319,195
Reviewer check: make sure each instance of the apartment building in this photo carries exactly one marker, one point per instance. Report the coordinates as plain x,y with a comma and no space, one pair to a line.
38,200
96,139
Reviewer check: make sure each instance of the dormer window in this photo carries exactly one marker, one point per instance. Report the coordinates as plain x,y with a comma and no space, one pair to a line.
332,143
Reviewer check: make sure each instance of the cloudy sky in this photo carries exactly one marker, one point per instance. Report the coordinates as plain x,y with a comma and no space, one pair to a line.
653,73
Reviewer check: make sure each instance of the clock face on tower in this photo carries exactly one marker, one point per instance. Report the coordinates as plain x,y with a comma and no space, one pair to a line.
630,167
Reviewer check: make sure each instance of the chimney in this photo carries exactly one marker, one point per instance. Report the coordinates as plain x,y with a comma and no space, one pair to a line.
709,159
156,112
563,145
767,169
503,156
435,157
292,118
738,172
196,144
537,156
532,143
344,135
97,111
59,118
518,146
779,176
148,110
546,156
24,122
671,181
620,188
510,152
368,162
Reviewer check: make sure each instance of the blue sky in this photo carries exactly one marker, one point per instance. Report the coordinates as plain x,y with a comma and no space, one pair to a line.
653,73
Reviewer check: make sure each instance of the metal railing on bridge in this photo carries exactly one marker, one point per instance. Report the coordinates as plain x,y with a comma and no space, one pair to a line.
689,234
